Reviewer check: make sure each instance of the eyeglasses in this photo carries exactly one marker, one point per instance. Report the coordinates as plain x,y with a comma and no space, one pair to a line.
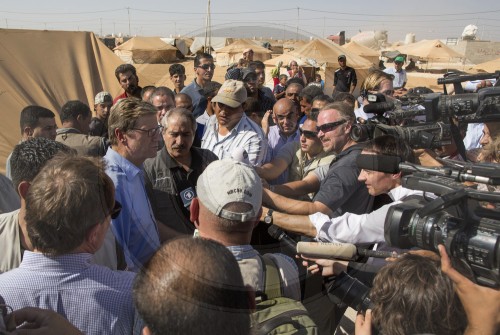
151,132
308,134
329,126
117,208
207,66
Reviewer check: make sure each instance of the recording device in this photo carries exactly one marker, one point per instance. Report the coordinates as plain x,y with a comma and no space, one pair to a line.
439,111
349,291
344,251
456,219
289,244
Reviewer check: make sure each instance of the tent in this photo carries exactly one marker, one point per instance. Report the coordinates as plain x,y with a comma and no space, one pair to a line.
140,50
233,52
293,45
371,55
216,43
429,50
48,68
179,43
490,66
322,53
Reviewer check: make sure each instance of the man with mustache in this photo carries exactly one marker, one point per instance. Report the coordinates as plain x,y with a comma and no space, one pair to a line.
129,81
171,176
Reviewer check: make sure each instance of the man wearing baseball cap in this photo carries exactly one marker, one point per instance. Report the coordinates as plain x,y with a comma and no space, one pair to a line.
399,74
230,128
99,123
227,210
344,78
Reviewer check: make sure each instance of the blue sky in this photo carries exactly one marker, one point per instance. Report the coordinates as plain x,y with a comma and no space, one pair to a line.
426,19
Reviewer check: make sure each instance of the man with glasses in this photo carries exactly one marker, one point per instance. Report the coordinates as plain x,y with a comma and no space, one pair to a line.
298,159
204,71
230,129
134,134
399,74
337,186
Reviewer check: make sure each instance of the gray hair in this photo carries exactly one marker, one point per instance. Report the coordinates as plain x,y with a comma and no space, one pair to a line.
160,91
182,113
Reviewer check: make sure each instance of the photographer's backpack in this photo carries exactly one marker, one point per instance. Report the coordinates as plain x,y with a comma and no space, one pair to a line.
276,314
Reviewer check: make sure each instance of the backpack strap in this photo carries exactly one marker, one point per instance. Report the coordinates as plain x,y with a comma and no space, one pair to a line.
272,285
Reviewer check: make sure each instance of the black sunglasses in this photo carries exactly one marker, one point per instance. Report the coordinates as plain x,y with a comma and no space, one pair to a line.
207,66
308,134
117,208
329,126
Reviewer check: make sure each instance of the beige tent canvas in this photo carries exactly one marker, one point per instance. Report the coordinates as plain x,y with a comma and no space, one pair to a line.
141,50
489,66
233,52
371,55
430,50
48,68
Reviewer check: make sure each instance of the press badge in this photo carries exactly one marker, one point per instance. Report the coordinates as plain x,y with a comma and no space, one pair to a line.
187,196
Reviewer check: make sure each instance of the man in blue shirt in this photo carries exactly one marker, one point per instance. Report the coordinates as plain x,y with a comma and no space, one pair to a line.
134,134
204,71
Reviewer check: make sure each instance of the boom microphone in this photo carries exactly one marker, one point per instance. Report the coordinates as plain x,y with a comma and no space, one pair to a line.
378,107
345,251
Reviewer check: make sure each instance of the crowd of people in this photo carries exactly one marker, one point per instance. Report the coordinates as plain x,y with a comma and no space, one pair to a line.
147,216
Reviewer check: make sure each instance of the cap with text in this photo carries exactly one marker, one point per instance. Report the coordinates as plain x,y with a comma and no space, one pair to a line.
227,181
232,93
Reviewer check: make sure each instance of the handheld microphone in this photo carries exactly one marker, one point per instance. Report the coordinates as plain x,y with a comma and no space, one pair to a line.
281,236
344,251
378,107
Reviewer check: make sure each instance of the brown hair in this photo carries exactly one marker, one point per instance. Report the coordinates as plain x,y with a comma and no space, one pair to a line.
413,296
124,115
70,195
345,111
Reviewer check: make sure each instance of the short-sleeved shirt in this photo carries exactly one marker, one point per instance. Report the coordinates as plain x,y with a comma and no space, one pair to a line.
340,190
399,77
343,79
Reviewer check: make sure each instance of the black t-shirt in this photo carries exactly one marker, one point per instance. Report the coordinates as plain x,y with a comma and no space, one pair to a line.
343,79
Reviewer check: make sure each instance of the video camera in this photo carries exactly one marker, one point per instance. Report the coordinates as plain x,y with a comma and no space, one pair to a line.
456,219
439,110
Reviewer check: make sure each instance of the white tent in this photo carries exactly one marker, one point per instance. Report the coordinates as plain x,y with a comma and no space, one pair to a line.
216,42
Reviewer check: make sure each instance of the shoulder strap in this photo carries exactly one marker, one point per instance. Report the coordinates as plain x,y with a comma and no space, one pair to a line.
272,285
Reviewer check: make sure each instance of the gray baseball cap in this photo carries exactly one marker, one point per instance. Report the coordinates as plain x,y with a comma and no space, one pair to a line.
228,181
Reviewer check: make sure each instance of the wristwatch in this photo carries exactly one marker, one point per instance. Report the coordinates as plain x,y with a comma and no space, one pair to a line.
268,219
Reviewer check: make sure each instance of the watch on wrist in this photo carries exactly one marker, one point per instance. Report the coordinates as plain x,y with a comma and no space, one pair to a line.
268,219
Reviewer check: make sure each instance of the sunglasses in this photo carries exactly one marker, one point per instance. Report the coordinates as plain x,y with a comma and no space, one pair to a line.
117,208
330,126
308,134
207,66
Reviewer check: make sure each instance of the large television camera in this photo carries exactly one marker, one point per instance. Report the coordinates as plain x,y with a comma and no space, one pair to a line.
469,231
438,110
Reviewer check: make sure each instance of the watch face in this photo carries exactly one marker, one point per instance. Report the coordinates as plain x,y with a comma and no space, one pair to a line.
268,219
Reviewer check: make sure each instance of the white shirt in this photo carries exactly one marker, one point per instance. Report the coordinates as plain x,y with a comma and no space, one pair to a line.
399,77
357,229
246,135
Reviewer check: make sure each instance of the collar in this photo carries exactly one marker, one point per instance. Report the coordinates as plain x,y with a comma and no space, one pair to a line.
115,159
241,252
68,263
171,163
61,131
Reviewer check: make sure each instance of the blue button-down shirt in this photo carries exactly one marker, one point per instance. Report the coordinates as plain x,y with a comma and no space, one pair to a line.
93,298
135,228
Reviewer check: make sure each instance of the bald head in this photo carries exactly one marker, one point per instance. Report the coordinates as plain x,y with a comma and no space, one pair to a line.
286,116
178,293
184,101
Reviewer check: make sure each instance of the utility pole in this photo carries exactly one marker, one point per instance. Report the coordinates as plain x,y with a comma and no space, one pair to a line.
324,25
100,20
6,24
129,31
208,31
298,17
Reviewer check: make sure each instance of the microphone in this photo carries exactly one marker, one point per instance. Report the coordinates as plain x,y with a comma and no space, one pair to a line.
281,236
378,107
344,251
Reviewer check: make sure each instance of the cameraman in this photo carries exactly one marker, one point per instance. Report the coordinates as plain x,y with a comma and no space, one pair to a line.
380,172
377,81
